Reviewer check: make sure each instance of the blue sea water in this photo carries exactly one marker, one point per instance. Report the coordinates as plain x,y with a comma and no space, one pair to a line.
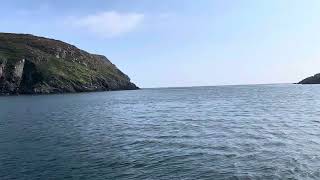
226,132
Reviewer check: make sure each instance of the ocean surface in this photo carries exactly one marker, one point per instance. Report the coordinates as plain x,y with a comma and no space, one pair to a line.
226,132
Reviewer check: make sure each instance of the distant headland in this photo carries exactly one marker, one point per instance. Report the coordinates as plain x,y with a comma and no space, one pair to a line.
311,80
36,65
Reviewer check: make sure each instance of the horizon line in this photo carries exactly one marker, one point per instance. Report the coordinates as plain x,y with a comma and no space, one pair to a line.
253,84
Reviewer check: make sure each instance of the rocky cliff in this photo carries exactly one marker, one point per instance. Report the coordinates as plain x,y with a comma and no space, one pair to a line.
37,65
311,80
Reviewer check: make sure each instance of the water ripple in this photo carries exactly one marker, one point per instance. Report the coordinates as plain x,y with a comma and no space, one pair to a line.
228,132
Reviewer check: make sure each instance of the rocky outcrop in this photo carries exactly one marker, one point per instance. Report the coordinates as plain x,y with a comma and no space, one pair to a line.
311,80
37,65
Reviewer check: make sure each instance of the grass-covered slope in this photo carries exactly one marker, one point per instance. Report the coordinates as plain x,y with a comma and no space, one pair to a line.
37,65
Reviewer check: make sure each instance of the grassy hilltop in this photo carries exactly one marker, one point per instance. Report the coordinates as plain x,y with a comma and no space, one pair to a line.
37,65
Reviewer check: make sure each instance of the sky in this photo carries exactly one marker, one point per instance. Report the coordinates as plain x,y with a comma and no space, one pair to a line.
172,43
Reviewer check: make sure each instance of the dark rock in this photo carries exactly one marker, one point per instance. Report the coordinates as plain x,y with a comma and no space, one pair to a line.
37,65
311,80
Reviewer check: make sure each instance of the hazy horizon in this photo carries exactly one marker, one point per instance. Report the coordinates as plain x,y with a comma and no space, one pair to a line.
183,43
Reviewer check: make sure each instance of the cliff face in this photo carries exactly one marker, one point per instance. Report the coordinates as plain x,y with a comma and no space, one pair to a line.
311,80
37,65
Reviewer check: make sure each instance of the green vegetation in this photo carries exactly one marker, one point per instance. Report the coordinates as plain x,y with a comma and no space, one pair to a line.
54,66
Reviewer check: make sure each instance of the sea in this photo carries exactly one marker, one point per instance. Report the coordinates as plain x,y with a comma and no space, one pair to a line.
220,132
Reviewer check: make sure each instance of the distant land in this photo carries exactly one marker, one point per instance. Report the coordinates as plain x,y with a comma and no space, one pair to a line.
36,65
311,80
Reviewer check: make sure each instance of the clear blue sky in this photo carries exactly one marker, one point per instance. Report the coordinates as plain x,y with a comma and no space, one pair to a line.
183,42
